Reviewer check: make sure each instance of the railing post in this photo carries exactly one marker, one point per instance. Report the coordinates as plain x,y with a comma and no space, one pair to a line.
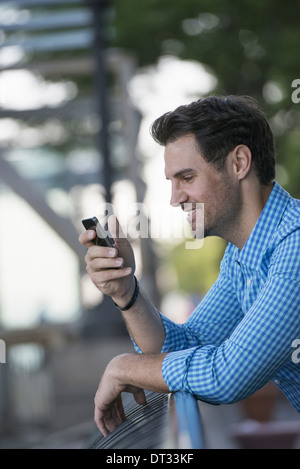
189,431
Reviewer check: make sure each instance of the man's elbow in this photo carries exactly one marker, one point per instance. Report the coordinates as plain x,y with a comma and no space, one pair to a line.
223,395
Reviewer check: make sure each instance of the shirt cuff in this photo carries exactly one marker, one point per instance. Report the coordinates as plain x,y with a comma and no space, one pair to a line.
175,369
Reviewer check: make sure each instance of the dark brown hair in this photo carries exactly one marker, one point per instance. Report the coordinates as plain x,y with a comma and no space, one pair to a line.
219,125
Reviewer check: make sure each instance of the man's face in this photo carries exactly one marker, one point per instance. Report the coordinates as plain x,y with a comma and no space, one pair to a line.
196,181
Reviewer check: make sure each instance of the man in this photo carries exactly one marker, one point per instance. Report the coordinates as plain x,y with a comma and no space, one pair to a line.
219,152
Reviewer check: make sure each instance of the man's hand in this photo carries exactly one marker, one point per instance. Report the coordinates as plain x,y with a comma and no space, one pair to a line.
126,373
111,269
109,411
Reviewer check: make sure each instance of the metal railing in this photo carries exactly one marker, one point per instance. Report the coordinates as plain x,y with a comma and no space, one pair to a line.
189,431
167,421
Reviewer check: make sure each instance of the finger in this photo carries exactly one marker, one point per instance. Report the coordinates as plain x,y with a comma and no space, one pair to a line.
115,227
120,408
116,231
107,421
110,422
106,275
139,397
87,238
110,419
116,415
95,252
99,420
99,263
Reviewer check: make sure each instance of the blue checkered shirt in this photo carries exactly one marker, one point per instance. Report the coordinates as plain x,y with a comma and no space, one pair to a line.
240,336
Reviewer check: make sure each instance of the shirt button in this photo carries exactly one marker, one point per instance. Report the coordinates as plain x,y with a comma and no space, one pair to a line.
249,282
276,381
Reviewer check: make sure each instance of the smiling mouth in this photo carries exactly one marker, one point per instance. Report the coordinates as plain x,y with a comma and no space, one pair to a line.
191,214
192,211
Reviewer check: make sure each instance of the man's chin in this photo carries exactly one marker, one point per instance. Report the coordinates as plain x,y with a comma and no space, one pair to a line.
198,232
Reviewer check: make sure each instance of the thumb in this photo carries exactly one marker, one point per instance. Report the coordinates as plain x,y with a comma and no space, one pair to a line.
116,230
121,242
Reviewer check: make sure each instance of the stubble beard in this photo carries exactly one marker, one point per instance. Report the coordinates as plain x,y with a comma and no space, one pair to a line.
222,219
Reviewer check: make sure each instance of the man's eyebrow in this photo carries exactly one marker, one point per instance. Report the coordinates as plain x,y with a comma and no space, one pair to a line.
182,172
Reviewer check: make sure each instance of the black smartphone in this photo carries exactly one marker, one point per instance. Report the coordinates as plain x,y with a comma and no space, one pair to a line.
103,237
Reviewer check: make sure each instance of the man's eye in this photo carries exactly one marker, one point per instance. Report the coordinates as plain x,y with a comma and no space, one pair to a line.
188,178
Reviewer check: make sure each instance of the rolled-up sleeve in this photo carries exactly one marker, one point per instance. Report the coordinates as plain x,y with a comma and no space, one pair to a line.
256,349
211,322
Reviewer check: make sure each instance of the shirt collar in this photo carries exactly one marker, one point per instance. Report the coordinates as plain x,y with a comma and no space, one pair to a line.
265,227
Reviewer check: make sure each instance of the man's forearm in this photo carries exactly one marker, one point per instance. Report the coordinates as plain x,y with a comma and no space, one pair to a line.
143,371
145,326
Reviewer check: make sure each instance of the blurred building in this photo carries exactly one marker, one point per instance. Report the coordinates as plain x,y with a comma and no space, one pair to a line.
68,150
68,134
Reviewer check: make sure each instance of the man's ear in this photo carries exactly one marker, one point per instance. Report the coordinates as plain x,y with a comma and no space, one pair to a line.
241,158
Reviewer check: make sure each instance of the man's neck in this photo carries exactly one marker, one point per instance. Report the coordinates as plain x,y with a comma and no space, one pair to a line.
254,199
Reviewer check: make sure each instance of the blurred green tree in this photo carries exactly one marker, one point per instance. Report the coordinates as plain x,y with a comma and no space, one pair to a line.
197,269
251,46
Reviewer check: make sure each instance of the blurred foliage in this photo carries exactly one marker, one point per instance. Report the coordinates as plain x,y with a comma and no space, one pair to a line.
197,269
251,46
245,42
